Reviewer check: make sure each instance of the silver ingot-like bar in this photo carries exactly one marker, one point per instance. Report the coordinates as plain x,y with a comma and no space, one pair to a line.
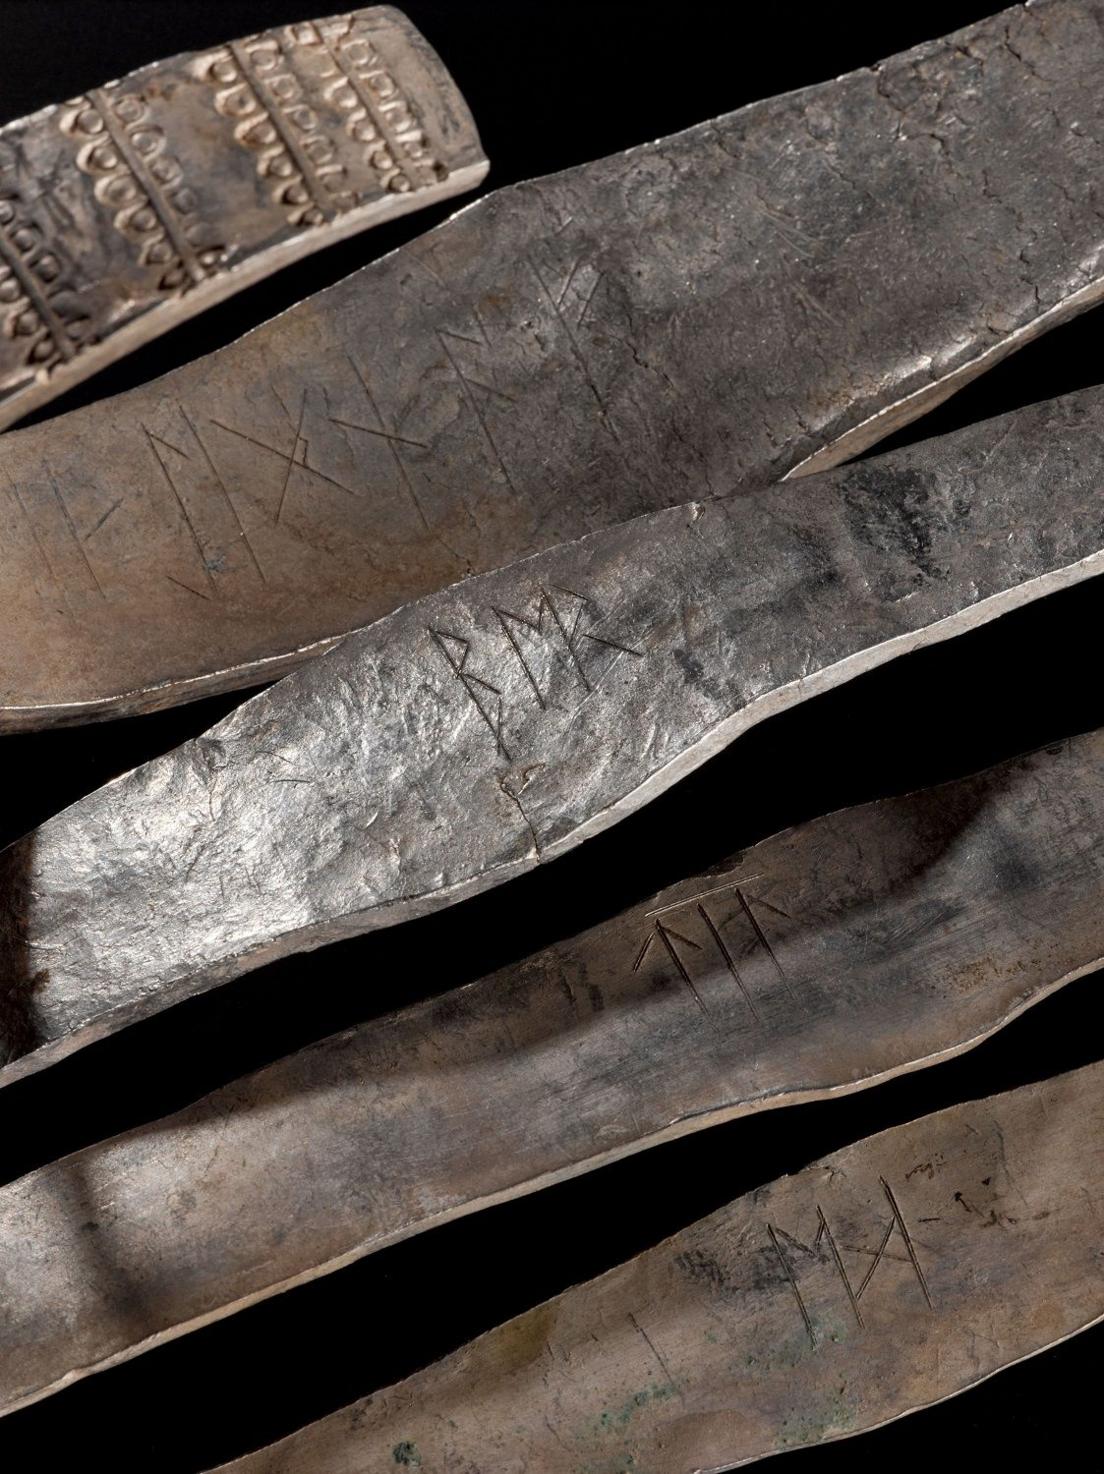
142,202
890,1275
474,734
825,959
760,296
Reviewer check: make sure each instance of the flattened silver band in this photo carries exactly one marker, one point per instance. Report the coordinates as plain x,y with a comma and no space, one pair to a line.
762,295
475,734
892,1274
863,944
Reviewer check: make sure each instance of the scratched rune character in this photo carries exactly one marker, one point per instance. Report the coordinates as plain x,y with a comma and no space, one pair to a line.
556,635
796,1257
667,938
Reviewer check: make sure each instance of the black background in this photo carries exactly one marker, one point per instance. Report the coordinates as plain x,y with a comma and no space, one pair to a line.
552,83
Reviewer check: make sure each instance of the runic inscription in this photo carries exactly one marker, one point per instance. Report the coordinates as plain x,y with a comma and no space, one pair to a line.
692,960
556,635
797,1258
478,394
483,695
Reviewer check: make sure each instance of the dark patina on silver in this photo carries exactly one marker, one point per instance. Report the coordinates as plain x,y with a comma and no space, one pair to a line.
892,1274
474,734
881,939
762,295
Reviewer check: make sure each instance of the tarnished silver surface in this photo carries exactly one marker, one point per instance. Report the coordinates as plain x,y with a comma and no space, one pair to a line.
760,295
866,943
890,1275
142,202
474,734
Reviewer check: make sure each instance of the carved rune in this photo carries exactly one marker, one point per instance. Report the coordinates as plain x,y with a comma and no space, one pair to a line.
795,1257
557,636
558,617
484,696
676,945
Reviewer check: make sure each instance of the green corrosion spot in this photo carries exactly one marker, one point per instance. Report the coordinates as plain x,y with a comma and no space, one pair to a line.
406,1454
618,1464
833,1416
612,1420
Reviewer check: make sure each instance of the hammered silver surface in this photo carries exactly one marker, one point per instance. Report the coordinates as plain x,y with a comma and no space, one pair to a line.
892,1274
475,734
761,295
865,943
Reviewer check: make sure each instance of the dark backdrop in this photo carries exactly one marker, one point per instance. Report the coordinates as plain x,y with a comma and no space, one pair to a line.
552,83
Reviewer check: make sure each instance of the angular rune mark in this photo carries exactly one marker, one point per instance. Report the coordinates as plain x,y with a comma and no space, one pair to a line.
393,439
669,946
205,542
664,935
486,699
556,307
730,961
77,540
292,457
217,474
103,519
825,1236
473,388
661,1361
158,446
910,1247
32,528
560,639
297,458
787,1270
760,934
569,282
188,588
660,931
569,634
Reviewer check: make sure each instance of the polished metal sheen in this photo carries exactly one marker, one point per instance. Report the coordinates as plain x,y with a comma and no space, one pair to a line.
825,959
145,201
762,295
472,735
892,1274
